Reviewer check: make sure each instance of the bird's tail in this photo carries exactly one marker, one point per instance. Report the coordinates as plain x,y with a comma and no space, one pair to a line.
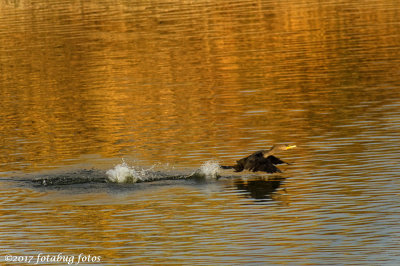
226,167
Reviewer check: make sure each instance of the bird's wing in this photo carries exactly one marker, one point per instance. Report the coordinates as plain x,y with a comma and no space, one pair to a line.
267,166
252,162
257,162
239,167
275,160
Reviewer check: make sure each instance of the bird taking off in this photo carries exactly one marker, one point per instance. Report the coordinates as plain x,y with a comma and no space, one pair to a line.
263,160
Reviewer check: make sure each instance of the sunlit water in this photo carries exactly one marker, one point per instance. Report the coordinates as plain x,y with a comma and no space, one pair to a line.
115,117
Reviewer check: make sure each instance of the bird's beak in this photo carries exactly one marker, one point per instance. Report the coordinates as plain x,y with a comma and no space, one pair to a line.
290,147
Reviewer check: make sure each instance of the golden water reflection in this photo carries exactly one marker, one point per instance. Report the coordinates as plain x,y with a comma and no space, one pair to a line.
182,82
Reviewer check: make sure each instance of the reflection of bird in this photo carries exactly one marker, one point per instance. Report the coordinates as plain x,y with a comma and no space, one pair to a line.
263,160
258,189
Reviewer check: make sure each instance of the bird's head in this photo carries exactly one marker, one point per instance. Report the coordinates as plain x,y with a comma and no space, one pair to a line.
281,147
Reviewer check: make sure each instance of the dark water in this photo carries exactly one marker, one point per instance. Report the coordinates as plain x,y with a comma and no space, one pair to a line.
169,85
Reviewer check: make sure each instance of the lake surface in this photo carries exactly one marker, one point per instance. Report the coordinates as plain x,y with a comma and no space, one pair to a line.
167,86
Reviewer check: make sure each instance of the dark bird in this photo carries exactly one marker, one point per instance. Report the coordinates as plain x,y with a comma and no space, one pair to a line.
263,160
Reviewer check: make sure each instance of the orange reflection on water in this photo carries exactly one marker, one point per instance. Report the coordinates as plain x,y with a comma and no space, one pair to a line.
184,83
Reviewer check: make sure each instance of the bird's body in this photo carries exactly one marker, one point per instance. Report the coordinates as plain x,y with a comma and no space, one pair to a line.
262,160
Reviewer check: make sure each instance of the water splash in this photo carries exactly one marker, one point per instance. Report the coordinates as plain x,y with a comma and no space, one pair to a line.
209,169
123,173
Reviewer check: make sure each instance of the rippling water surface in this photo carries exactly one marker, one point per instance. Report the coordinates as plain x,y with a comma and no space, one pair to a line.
169,85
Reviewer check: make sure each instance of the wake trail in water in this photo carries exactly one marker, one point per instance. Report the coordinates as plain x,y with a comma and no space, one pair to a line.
123,173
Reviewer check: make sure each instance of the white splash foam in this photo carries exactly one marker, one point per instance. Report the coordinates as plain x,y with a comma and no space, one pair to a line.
210,169
123,173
